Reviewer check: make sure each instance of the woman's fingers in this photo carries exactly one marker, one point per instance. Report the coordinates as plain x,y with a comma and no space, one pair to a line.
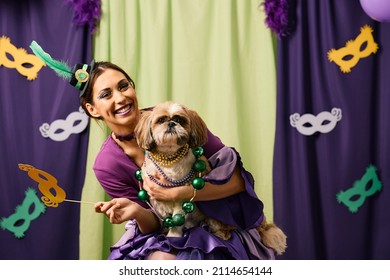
98,206
114,209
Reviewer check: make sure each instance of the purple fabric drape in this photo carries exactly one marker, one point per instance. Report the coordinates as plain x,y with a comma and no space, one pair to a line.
310,170
24,106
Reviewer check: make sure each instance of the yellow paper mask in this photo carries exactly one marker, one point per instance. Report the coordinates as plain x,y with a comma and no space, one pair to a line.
20,59
353,48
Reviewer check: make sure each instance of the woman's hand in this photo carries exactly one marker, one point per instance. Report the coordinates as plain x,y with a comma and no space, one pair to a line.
118,210
167,194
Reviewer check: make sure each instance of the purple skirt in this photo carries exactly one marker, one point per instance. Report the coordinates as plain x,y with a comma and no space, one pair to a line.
196,244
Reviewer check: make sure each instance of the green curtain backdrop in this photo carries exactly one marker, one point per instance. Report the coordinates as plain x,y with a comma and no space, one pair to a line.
216,57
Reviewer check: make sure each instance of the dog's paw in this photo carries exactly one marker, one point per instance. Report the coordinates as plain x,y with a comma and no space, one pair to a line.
273,237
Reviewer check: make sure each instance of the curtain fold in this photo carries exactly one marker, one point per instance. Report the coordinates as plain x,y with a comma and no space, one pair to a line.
31,96
216,57
330,155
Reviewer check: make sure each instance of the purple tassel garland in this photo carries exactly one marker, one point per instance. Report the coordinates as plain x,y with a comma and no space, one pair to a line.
276,16
86,12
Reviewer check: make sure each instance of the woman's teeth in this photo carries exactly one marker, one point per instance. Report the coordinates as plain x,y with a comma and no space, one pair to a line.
123,110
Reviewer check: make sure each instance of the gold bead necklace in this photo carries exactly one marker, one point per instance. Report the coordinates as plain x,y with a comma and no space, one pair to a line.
167,160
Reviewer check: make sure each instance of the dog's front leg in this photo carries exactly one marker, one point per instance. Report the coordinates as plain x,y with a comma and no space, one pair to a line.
176,231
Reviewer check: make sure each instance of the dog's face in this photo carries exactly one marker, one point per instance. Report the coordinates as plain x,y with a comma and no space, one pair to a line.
170,126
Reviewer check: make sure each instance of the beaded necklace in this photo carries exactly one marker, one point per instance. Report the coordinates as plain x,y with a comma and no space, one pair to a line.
167,160
174,183
187,206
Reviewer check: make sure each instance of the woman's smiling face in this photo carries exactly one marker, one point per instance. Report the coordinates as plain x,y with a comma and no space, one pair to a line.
115,102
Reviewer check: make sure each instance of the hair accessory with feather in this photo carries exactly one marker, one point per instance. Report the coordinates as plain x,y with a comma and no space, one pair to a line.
61,68
78,76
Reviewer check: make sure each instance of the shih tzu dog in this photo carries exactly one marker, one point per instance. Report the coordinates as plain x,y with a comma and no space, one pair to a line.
168,133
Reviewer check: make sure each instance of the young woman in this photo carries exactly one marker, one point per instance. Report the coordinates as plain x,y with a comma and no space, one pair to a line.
228,194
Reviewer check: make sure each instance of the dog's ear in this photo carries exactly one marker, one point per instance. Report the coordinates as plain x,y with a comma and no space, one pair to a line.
143,131
198,136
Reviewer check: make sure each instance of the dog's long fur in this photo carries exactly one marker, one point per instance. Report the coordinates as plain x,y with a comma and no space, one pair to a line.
167,128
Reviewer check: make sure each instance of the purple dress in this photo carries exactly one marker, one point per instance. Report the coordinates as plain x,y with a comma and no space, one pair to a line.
116,173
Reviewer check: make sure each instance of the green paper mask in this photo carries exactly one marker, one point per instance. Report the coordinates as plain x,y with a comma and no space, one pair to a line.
19,222
360,190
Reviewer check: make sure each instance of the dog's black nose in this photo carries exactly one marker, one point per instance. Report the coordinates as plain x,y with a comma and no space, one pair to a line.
171,124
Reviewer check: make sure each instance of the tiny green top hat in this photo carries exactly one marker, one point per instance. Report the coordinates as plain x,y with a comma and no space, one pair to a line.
77,77
80,77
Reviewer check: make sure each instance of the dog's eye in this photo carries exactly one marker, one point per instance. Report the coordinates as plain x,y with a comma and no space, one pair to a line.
162,120
179,120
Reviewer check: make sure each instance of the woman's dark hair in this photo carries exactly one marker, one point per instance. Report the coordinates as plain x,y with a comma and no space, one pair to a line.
98,69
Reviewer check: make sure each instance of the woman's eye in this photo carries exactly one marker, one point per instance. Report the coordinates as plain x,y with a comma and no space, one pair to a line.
124,86
104,94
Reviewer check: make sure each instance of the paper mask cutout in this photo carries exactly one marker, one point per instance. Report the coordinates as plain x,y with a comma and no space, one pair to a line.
308,124
46,184
19,222
60,130
20,59
354,197
353,48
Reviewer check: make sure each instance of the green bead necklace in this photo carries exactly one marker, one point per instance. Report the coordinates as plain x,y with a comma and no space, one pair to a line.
187,206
